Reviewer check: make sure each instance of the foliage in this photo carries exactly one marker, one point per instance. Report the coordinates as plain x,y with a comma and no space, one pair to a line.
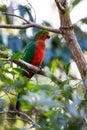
75,2
53,105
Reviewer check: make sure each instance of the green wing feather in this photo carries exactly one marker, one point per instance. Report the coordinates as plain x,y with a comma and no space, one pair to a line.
29,52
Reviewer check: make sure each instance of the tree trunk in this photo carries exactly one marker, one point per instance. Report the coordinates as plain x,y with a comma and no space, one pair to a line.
68,34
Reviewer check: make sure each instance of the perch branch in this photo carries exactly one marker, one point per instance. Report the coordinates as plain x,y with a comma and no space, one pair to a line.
36,70
29,67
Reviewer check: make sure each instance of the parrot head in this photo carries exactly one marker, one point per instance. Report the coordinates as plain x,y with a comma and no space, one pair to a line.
42,35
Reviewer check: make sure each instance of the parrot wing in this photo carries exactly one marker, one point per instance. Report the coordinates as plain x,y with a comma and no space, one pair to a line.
29,52
28,55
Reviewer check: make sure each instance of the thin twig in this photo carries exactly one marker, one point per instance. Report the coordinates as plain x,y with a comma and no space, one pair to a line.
32,8
6,93
15,16
2,95
4,59
22,114
16,118
12,93
77,83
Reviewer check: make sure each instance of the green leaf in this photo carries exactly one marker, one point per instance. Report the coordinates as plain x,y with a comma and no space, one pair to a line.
84,20
3,8
84,73
75,2
5,79
67,67
5,54
41,99
54,65
17,55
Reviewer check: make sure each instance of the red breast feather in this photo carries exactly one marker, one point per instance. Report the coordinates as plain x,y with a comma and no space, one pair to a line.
39,54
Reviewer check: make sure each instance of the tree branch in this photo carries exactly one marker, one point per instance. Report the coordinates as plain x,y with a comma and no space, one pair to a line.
15,16
18,119
61,5
28,24
28,118
71,40
37,70
29,67
31,24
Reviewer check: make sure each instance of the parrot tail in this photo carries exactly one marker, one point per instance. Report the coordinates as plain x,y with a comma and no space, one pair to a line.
18,104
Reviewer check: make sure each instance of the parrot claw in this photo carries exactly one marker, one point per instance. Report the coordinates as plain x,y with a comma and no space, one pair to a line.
40,68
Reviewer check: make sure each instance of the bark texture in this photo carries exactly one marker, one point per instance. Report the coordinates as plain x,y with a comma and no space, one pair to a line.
68,33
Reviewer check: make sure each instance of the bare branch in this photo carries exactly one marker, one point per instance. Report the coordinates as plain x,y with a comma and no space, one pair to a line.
28,118
11,26
15,16
2,95
28,24
6,94
18,119
31,8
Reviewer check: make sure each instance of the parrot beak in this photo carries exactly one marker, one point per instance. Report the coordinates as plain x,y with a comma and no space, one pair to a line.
48,35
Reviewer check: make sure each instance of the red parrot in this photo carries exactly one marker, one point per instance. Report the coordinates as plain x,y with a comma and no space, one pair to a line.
34,54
